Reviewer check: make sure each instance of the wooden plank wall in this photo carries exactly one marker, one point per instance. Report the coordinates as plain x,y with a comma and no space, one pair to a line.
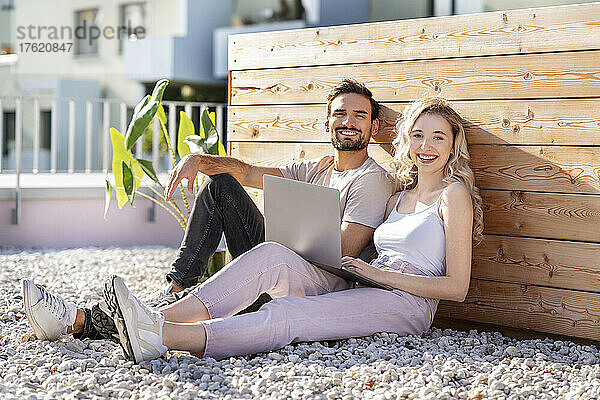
529,83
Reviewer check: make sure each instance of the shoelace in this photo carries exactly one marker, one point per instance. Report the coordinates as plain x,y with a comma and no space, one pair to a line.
161,293
56,303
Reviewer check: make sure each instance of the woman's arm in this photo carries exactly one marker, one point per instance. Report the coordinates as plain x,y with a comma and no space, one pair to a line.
457,213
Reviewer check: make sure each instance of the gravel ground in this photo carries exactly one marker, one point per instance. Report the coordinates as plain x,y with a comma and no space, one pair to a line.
438,365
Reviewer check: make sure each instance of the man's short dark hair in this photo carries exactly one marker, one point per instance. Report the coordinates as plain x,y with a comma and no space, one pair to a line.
352,86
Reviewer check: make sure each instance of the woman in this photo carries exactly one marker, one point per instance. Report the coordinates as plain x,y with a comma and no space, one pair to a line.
424,251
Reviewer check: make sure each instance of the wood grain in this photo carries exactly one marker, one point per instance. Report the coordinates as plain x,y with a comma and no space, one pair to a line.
534,215
279,154
565,312
564,169
560,264
542,215
554,75
539,122
563,28
528,82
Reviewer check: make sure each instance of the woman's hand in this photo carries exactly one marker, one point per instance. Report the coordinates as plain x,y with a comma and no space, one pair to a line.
360,267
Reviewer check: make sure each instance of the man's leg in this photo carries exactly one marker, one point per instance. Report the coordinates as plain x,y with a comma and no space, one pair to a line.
221,206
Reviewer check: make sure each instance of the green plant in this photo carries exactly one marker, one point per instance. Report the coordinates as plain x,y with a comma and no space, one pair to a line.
129,171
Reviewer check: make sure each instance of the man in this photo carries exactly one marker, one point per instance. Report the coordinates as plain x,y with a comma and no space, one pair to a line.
223,206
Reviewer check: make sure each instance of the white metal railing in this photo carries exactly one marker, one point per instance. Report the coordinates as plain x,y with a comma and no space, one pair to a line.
79,137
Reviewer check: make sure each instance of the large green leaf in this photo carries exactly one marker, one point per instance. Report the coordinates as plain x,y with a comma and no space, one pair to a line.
186,128
211,116
107,195
119,154
146,110
128,181
208,144
160,113
149,170
196,144
210,132
138,172
222,151
221,148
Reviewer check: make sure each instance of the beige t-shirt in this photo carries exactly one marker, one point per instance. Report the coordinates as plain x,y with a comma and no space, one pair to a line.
364,191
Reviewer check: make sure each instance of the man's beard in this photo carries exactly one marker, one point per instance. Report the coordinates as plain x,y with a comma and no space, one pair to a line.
347,145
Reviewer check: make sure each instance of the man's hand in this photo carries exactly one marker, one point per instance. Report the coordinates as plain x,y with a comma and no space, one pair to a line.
186,168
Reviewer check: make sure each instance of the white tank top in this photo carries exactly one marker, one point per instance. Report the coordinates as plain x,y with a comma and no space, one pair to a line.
418,238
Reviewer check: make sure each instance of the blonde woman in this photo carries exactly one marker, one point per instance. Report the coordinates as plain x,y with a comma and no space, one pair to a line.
424,252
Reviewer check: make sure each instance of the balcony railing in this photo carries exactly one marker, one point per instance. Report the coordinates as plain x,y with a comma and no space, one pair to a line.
48,135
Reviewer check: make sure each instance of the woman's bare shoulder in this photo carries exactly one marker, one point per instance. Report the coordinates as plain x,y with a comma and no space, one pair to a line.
457,196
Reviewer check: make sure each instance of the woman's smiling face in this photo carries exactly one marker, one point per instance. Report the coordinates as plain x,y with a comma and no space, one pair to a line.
431,143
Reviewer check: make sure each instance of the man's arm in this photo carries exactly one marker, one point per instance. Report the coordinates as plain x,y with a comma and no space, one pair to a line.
355,238
189,166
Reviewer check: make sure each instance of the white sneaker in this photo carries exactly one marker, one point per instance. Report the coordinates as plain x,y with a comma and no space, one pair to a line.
160,294
48,314
140,327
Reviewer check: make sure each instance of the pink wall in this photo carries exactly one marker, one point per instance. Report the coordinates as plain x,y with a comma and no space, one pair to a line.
61,223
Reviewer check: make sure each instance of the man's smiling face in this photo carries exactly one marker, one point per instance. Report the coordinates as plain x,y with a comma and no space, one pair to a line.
350,122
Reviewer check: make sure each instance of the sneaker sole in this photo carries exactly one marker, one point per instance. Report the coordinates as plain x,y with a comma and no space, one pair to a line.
113,303
28,311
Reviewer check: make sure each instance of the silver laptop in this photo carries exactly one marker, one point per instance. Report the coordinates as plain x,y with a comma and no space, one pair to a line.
306,218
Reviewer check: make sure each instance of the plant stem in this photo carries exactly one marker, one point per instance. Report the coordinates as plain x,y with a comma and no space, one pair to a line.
181,223
172,202
163,128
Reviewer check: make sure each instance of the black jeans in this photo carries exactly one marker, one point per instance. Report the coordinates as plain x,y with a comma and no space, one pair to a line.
222,206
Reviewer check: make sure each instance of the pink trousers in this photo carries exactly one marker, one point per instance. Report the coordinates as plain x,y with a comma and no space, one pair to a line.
308,304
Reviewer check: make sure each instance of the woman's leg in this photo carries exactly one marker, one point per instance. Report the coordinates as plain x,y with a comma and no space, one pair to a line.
344,314
267,268
188,337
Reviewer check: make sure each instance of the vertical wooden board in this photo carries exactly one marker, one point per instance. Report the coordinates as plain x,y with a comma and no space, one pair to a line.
552,75
564,312
542,215
564,169
560,264
561,28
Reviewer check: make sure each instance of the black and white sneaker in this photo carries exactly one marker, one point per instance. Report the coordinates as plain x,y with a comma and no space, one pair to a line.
139,326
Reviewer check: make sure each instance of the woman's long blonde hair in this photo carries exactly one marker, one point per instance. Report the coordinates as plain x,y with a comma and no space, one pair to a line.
456,170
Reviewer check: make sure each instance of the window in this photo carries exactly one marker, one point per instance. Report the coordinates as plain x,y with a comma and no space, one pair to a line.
133,15
260,11
8,4
84,43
